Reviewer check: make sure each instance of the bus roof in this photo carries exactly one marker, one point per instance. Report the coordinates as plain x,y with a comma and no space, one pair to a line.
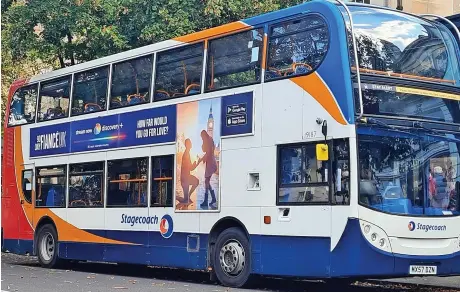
190,38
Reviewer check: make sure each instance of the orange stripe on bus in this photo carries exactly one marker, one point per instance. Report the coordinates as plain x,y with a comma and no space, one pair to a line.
18,168
66,231
264,53
315,86
211,32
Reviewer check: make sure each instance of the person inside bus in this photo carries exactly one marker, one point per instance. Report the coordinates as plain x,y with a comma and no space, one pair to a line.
186,178
211,167
368,188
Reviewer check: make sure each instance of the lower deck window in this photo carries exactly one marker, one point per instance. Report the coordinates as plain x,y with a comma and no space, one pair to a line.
162,181
302,179
86,185
51,186
127,182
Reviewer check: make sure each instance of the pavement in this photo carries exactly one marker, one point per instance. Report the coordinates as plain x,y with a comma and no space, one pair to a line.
23,273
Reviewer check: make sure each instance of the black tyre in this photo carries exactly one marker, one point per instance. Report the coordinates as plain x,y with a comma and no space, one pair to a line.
232,258
47,246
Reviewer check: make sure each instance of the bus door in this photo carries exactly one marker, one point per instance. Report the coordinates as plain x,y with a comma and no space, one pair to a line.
26,200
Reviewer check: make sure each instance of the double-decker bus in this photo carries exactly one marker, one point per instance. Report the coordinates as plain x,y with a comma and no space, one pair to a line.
318,141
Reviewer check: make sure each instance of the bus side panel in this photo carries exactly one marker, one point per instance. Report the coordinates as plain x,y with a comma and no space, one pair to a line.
293,256
178,251
16,232
353,256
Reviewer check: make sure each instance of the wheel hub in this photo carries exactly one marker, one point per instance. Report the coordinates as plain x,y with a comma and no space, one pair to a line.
232,258
47,246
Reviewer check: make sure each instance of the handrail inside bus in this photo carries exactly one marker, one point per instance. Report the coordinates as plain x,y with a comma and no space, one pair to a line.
355,53
128,180
403,75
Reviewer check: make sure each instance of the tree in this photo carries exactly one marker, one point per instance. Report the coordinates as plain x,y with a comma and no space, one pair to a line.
50,34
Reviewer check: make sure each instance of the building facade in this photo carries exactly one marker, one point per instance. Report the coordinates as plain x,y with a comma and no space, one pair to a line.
439,7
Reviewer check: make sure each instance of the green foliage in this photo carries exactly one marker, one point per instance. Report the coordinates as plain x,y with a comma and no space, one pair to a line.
39,34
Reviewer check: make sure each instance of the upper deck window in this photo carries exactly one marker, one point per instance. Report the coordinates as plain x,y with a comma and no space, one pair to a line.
90,91
296,47
22,106
54,99
178,72
398,44
234,60
131,82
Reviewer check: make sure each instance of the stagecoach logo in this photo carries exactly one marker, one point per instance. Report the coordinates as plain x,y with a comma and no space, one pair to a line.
166,223
417,226
97,129
166,226
411,226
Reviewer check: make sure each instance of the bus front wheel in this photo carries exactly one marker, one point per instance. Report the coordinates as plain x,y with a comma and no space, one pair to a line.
47,246
232,258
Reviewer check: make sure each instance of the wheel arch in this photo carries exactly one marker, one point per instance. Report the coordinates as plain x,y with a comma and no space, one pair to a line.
219,227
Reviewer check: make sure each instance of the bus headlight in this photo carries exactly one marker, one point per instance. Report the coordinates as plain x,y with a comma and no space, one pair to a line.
375,236
367,229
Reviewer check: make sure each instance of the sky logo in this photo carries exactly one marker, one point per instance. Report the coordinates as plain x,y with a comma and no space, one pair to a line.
411,226
166,226
97,129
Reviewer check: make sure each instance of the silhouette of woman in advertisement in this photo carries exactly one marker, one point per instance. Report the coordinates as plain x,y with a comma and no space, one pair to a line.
211,167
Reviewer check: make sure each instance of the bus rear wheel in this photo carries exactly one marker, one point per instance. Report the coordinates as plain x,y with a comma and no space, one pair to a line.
47,246
232,258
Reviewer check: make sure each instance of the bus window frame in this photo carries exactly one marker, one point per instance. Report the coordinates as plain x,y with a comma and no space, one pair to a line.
261,61
177,48
151,179
66,177
314,184
109,72
110,81
107,183
103,181
295,18
37,84
54,79
32,185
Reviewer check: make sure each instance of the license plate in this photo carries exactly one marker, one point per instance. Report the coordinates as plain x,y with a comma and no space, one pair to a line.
423,270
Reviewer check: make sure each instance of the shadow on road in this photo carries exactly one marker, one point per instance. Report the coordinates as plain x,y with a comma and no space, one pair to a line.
257,283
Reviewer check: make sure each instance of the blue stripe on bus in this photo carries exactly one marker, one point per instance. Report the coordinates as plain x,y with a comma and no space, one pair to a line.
18,246
271,255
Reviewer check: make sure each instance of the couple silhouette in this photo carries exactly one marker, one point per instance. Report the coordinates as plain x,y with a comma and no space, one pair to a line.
188,180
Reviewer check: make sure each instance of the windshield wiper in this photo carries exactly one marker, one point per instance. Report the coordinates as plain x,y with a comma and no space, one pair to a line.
433,132
369,120
420,125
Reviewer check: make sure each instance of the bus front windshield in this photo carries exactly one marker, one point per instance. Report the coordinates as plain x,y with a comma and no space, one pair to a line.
391,42
408,173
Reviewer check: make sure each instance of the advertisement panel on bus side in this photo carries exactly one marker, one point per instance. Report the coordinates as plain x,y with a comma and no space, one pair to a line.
144,127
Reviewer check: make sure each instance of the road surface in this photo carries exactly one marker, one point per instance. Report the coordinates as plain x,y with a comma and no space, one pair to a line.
23,273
